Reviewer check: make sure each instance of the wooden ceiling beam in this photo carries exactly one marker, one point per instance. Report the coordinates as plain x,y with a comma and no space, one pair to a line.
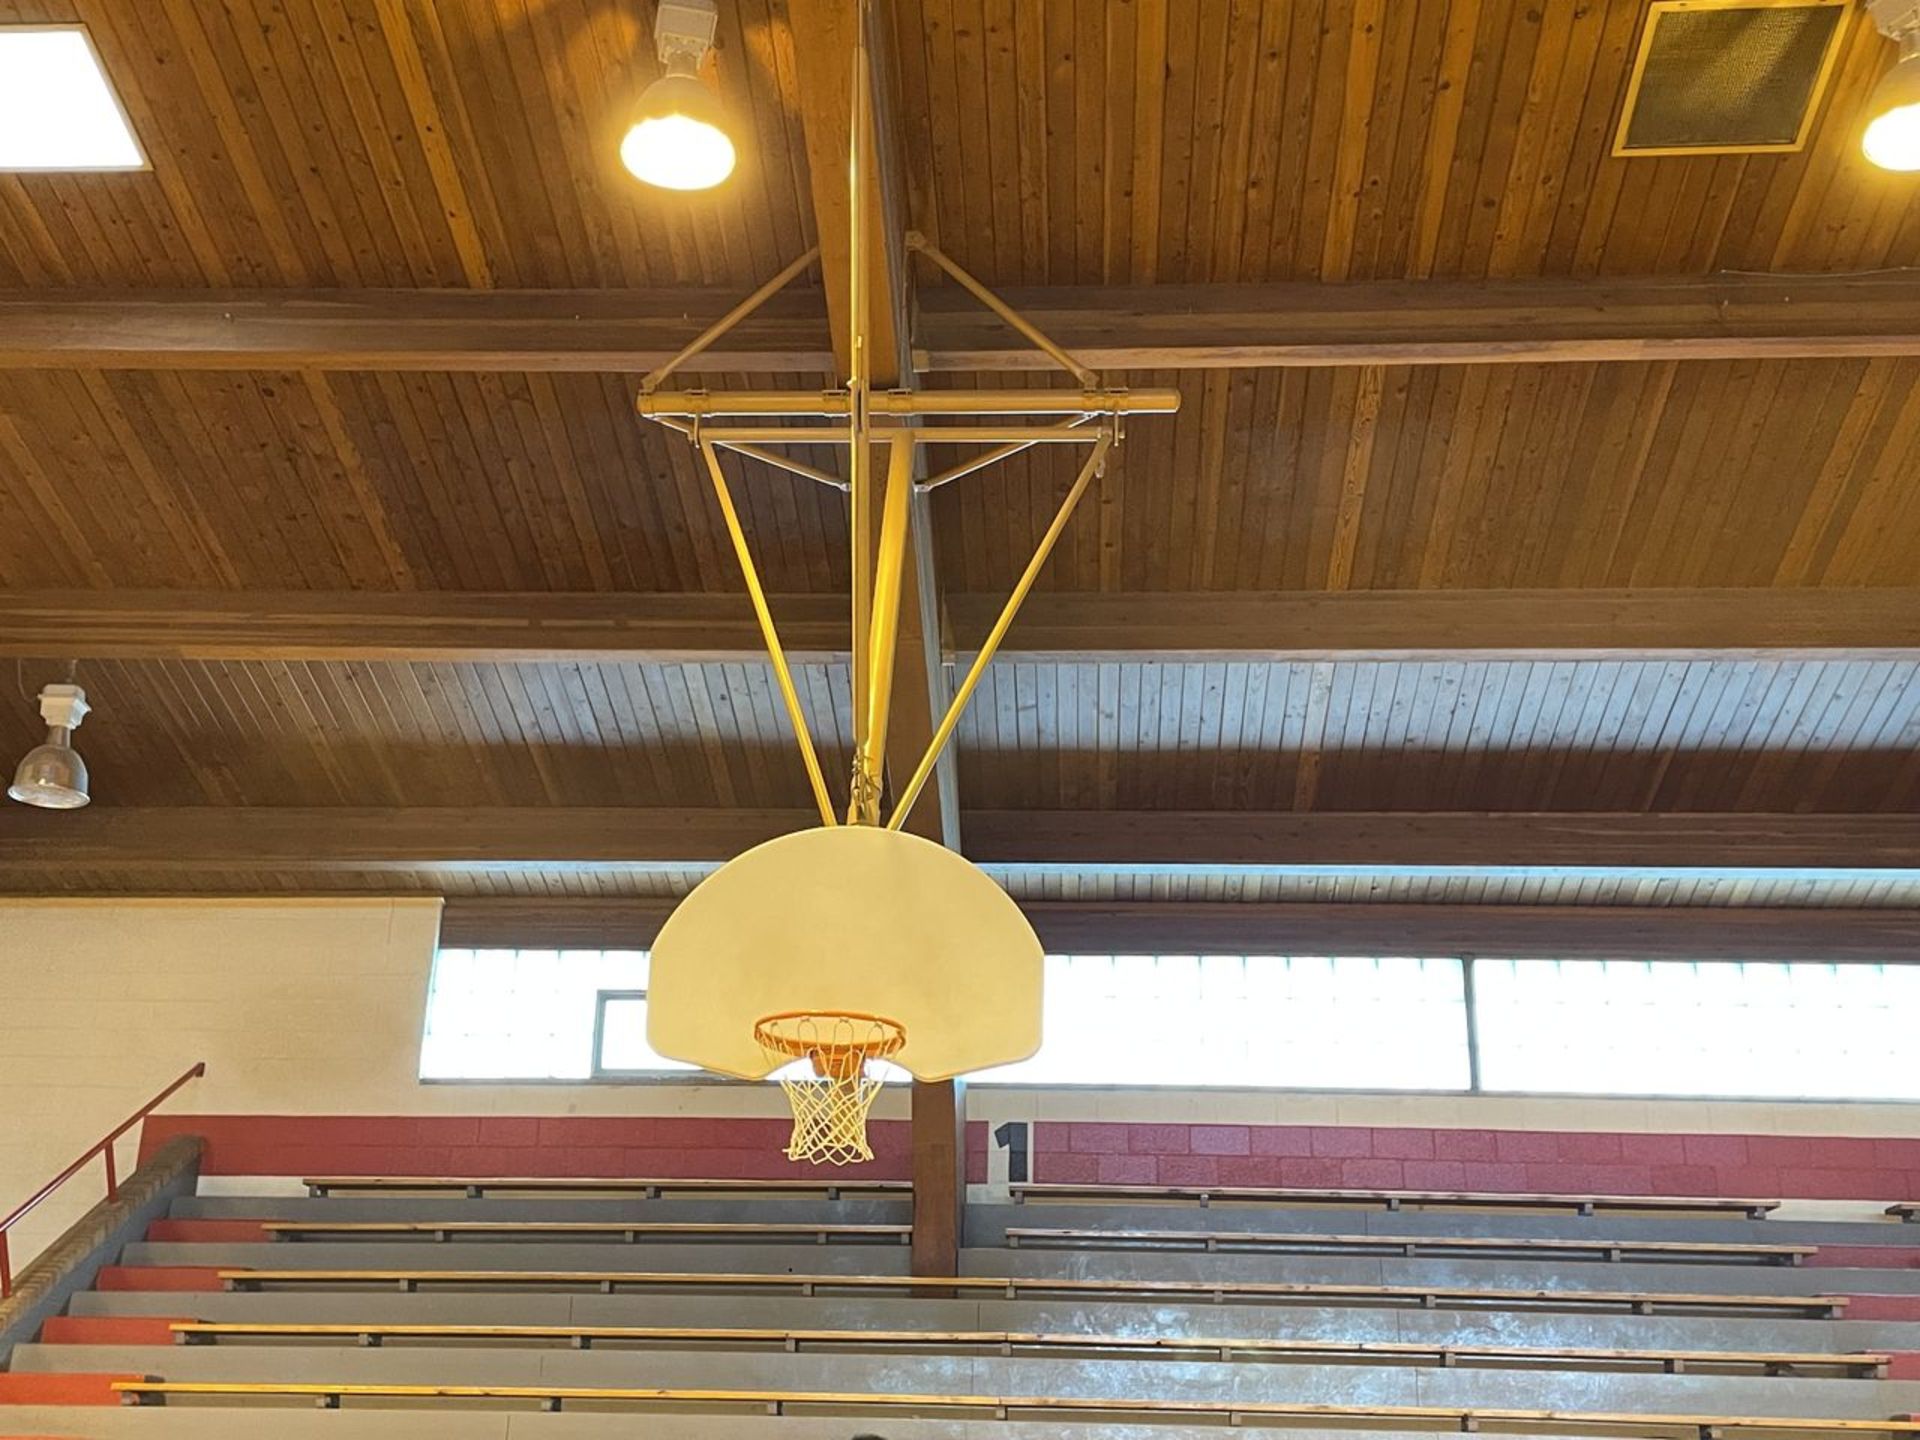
1297,842
389,838
585,331
1175,327
1508,624
1109,327
157,840
409,625
1468,624
1493,931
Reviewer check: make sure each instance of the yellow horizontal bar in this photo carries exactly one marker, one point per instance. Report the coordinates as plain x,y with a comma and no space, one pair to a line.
829,404
1022,435
731,436
691,405
1026,402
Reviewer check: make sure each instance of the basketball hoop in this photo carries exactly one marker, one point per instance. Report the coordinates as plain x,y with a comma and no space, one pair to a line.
833,1093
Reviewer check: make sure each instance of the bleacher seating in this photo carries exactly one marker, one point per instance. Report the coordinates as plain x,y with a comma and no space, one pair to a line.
777,1314
1101,1238
629,1230
1400,1199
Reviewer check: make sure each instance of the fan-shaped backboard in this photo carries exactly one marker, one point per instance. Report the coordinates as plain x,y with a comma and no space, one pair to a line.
852,918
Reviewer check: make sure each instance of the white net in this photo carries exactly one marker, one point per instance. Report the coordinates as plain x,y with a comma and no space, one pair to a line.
832,1086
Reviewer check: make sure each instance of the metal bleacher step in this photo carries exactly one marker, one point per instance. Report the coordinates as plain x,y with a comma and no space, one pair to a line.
1021,1375
489,1252
1047,1313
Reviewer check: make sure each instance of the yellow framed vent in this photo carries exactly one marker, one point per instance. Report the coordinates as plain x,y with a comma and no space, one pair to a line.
1729,77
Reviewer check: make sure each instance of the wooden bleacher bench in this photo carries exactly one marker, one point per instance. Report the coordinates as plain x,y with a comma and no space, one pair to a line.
1411,1245
475,1186
1673,1361
775,1402
821,1232
1829,1307
1908,1210
1395,1199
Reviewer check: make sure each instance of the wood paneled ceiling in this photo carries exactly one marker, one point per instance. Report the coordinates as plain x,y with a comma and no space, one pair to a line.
1762,735
371,142
347,145
1697,473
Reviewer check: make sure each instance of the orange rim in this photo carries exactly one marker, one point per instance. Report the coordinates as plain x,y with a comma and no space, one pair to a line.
837,1060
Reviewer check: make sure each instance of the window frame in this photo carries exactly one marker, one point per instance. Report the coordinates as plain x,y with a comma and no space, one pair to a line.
601,1074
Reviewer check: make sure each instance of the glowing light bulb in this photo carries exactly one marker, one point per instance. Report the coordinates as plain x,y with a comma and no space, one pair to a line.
1892,137
677,140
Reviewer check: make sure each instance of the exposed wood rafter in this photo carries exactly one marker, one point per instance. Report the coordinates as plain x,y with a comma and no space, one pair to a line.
360,625
1109,327
159,839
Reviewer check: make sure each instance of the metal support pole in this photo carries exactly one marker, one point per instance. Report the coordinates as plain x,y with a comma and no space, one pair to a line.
991,457
781,673
727,321
884,631
1096,462
1027,329
756,452
859,457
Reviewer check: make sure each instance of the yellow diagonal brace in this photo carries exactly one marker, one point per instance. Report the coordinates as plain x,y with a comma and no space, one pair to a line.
1095,462
781,673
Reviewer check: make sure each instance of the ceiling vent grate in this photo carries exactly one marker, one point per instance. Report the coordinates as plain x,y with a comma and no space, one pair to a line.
1729,77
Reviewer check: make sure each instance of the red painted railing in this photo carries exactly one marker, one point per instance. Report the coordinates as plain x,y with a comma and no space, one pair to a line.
102,1148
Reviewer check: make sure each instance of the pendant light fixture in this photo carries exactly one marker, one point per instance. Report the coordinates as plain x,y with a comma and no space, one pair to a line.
678,139
53,776
1892,137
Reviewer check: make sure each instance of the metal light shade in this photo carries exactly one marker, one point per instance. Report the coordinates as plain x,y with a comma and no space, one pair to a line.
678,139
52,776
1892,136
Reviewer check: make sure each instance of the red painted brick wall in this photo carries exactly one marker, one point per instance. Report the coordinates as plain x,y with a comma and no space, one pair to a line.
720,1149
1591,1162
1594,1162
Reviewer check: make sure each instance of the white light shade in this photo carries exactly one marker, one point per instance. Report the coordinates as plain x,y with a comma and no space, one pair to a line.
1892,138
51,777
677,140
57,111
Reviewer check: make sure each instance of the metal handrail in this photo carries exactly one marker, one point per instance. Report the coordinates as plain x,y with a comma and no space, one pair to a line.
103,1147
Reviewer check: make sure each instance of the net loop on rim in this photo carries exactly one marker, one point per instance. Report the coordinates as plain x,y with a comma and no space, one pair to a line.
832,1093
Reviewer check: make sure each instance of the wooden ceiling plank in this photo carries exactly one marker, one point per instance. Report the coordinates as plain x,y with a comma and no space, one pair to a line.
336,69
465,215
117,31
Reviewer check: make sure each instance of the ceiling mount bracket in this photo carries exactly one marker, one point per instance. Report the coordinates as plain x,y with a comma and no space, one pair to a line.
859,417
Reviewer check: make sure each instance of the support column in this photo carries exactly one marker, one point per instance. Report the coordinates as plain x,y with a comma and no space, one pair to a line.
939,1174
